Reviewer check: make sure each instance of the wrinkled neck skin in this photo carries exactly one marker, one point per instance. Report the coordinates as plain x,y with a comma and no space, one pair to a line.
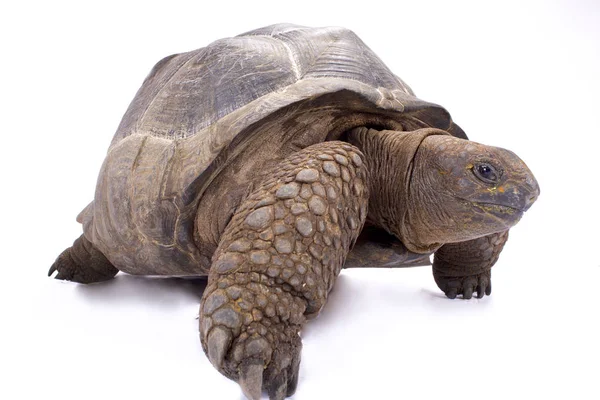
430,220
427,187
395,204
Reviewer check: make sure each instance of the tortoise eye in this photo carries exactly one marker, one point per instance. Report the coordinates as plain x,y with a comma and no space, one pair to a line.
486,172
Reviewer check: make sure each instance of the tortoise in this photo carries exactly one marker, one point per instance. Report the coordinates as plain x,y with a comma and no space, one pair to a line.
268,162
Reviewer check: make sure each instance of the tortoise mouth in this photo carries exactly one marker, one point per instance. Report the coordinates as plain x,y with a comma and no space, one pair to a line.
496,208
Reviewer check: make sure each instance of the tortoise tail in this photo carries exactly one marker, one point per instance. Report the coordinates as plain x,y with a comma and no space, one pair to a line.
83,263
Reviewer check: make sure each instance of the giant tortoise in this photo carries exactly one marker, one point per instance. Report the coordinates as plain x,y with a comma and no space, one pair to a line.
268,162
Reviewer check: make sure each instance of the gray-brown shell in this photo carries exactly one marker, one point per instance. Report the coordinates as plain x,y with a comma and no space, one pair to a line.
196,111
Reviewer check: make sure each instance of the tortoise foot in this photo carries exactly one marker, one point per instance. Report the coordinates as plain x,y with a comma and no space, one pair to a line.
465,285
464,268
82,263
250,333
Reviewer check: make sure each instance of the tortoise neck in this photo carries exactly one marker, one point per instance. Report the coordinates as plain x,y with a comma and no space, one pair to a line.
390,159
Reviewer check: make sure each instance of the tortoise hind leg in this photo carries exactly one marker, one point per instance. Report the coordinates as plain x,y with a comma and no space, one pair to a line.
83,263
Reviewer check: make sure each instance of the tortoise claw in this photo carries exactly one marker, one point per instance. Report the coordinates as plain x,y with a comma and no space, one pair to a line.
278,387
467,292
465,285
488,289
292,382
251,379
65,267
218,343
484,288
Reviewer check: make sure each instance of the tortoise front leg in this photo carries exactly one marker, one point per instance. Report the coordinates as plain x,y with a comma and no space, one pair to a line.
465,267
276,263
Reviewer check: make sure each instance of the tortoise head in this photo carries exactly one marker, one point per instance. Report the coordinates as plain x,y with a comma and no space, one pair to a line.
460,190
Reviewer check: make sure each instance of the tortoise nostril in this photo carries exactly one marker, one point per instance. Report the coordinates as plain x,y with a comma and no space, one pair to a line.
530,201
534,188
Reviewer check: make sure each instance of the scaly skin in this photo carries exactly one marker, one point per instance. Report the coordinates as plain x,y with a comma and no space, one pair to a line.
465,267
276,263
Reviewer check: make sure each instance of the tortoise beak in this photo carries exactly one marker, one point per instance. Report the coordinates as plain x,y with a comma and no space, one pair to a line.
519,192
534,192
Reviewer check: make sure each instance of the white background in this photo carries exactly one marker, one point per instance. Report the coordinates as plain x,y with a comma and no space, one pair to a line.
520,74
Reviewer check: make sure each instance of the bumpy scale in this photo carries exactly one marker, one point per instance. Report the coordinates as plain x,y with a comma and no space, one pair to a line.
276,263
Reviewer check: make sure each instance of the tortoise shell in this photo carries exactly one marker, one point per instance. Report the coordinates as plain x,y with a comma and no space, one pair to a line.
197,111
